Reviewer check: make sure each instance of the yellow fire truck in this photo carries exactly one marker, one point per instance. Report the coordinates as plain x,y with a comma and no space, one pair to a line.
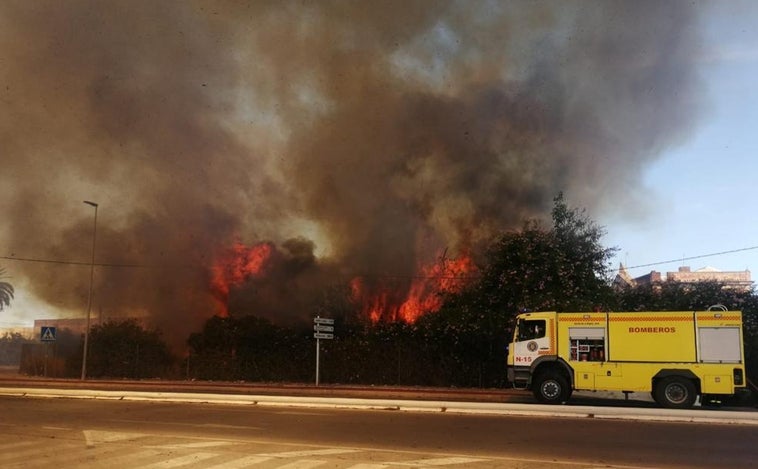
675,356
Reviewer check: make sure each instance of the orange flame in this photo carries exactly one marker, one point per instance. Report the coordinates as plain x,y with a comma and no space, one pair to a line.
425,294
234,266
382,300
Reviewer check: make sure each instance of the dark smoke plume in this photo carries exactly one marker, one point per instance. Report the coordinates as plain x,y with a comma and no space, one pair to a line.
374,134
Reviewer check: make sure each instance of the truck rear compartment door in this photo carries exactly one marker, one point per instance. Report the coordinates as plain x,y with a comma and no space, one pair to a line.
719,345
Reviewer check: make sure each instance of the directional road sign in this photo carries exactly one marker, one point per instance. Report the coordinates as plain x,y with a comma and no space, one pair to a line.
323,328
323,321
322,335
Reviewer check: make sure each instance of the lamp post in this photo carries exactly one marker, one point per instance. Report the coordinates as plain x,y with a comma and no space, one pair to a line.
89,298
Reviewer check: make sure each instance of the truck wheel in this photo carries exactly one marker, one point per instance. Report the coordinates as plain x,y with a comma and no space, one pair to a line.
675,392
551,388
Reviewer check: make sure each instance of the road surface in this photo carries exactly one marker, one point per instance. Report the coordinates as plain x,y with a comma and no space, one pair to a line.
44,433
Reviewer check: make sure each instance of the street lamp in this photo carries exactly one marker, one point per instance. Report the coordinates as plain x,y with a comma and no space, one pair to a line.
89,298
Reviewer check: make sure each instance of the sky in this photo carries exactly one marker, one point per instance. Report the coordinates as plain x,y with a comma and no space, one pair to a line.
359,143
701,193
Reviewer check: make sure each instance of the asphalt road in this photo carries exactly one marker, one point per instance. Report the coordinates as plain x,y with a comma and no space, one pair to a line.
43,432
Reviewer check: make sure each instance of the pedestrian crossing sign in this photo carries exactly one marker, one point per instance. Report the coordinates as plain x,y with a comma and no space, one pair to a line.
47,334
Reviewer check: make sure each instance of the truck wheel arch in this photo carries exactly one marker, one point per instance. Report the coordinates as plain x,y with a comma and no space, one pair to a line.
668,372
553,362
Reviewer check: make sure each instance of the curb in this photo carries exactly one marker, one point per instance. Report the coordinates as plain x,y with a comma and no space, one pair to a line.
722,417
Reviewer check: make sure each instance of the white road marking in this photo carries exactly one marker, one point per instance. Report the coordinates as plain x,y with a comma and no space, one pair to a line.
442,458
181,461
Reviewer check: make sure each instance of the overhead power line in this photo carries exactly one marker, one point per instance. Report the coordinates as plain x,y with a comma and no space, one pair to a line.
97,264
441,277
186,266
681,259
43,261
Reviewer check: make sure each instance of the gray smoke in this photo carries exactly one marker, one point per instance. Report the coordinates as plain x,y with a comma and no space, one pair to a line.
370,134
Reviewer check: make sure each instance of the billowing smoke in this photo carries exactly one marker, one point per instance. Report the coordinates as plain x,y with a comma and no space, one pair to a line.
371,135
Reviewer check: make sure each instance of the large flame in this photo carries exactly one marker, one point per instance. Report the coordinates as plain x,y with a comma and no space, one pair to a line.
425,295
386,299
234,266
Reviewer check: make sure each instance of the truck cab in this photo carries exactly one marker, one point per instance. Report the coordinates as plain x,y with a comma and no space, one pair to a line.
533,361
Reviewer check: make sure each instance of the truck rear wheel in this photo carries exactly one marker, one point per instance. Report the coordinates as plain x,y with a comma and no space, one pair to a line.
675,392
551,388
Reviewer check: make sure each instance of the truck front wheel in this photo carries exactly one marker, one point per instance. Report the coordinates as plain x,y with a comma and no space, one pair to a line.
551,388
675,392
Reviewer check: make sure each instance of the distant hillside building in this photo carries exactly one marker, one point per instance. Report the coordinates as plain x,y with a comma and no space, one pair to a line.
740,280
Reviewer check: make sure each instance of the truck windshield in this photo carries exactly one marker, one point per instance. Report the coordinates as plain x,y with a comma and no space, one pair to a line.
530,329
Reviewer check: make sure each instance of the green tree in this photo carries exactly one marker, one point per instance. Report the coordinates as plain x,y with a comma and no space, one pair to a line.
127,350
565,268
10,347
252,349
268,352
213,350
677,296
6,292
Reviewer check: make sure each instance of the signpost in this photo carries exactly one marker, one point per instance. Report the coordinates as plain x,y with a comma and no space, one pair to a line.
47,335
323,329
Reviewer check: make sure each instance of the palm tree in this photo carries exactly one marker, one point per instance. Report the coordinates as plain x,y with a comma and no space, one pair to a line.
6,292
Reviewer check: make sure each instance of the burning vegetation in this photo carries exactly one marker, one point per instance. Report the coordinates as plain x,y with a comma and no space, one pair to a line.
386,299
383,301
236,266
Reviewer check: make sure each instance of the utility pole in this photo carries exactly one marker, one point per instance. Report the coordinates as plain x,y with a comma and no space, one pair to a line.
89,298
